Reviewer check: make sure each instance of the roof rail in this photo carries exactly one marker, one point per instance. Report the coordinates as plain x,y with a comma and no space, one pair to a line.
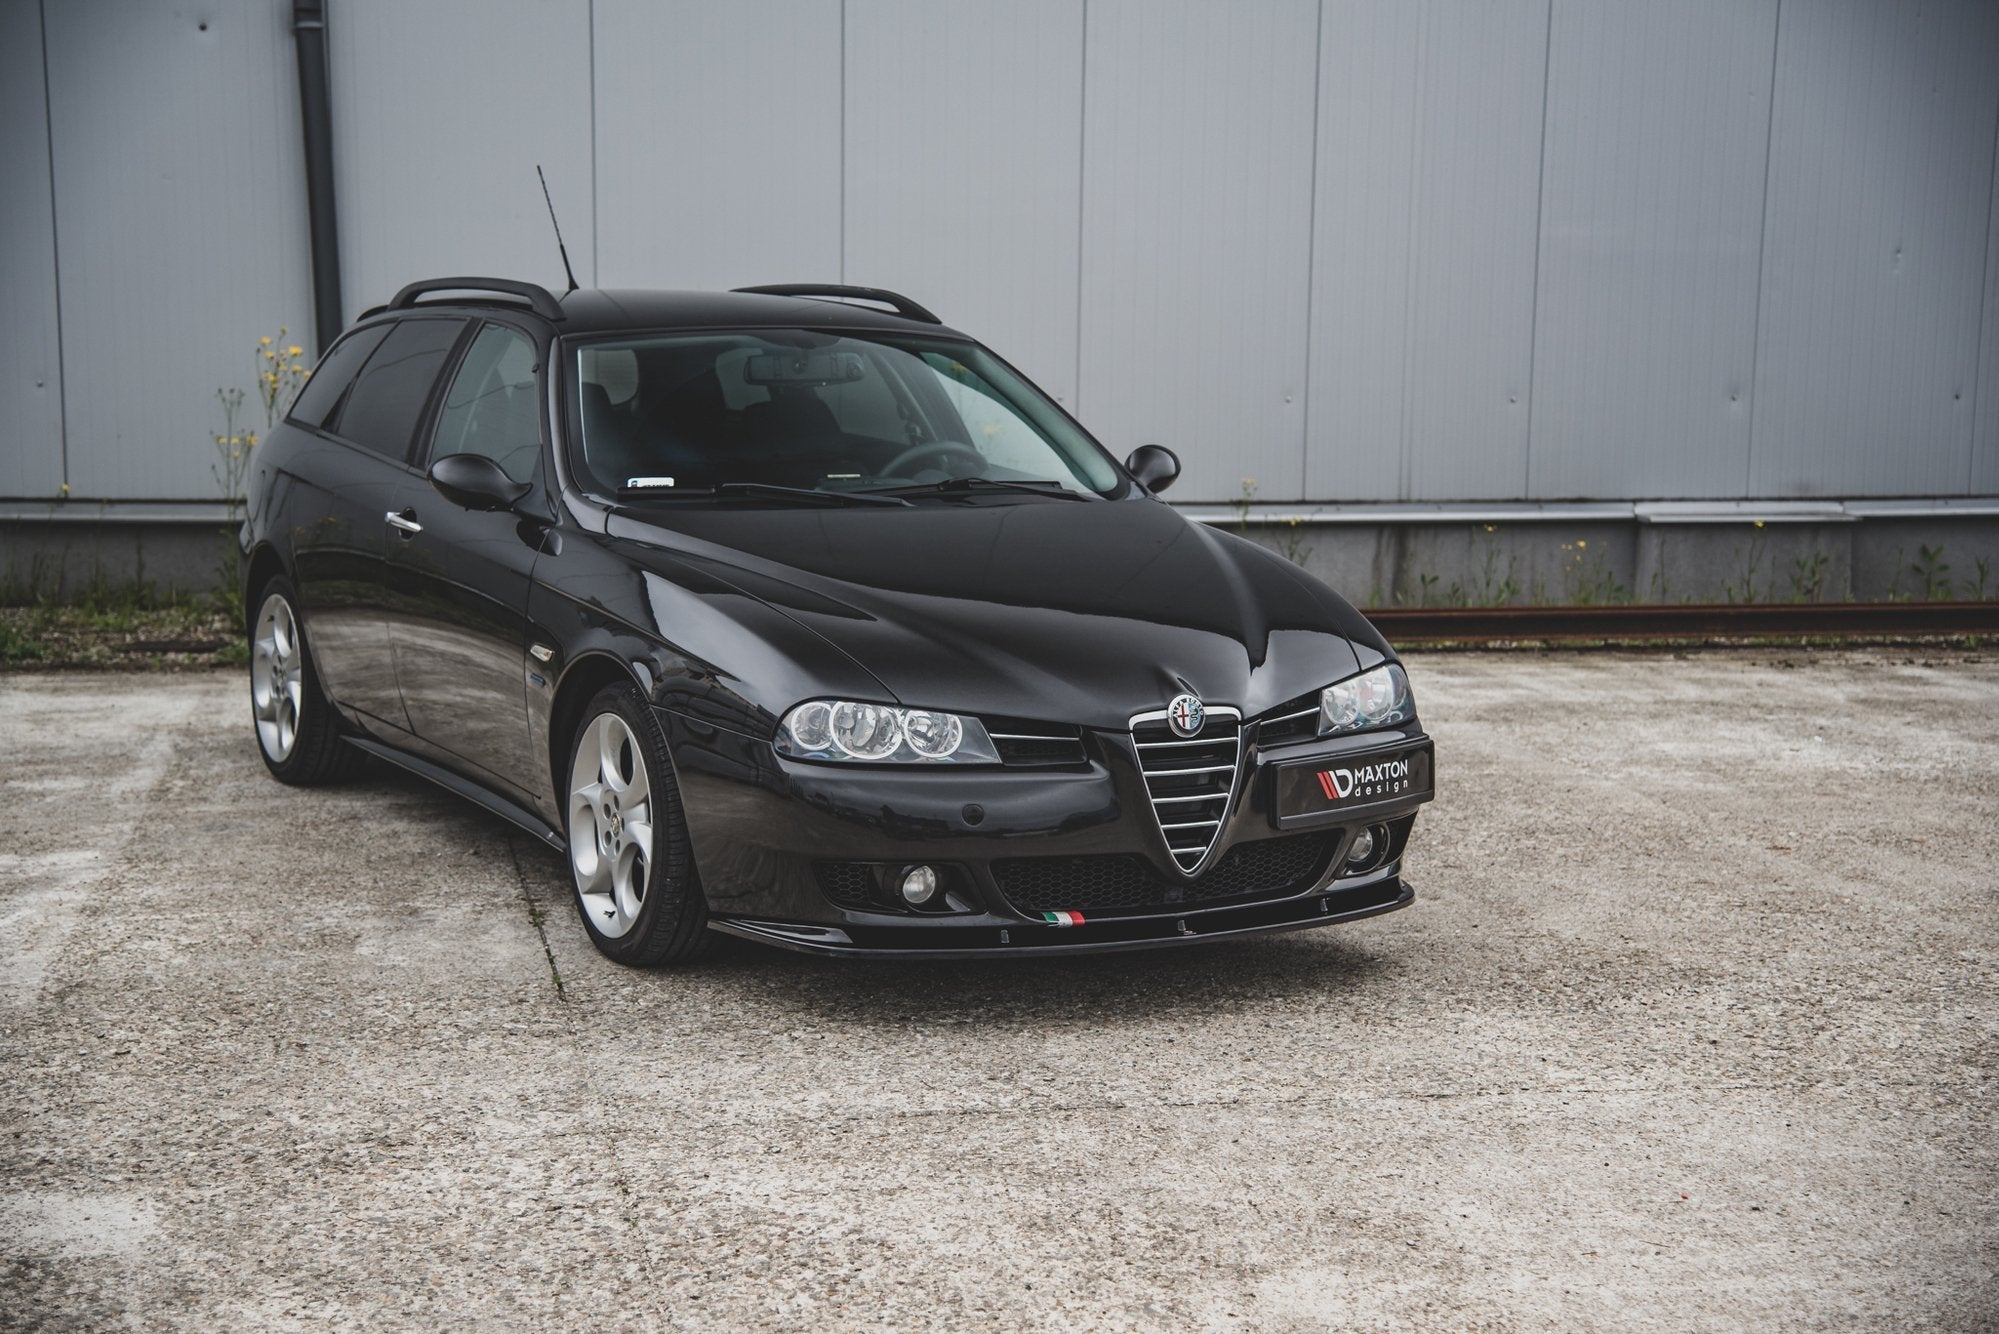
904,307
540,298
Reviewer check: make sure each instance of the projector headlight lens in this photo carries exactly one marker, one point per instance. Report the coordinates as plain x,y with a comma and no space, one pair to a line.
866,731
858,732
934,736
1372,699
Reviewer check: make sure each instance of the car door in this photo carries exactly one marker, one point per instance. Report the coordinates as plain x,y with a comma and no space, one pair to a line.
458,603
364,403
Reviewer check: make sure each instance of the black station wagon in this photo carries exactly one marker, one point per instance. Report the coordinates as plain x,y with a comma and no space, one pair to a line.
812,622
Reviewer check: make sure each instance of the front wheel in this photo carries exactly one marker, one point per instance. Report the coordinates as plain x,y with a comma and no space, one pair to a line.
628,854
297,732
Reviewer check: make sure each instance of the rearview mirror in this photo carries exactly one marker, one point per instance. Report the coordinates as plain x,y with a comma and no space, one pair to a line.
476,482
804,368
1155,467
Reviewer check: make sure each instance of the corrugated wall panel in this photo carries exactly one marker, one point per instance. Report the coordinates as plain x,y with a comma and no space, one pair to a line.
183,233
441,111
1429,152
1651,232
1984,471
30,379
971,202
1471,338
1880,182
718,142
1197,215
1363,207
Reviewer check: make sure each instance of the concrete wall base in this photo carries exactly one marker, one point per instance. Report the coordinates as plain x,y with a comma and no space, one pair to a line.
1624,560
1582,558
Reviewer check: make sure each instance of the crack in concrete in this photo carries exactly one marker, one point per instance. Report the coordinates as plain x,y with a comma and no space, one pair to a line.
537,919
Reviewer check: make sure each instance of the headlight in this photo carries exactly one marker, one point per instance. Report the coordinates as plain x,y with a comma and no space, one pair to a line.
845,729
1372,699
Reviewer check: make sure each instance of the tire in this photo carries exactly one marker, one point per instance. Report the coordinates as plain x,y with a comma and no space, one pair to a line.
629,861
298,733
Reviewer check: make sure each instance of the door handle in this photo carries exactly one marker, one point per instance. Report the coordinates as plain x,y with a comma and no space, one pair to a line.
405,522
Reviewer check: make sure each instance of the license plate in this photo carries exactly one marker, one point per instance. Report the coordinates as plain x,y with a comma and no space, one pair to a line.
1353,784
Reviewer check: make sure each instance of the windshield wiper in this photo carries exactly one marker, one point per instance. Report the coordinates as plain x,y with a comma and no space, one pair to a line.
759,489
1033,486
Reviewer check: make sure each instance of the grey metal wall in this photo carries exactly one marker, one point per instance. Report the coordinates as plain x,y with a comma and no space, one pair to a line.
1353,249
150,216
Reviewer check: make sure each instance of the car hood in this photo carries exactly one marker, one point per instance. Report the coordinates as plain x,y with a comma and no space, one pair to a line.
1076,612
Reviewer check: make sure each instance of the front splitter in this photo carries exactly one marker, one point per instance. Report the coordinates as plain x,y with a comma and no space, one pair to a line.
1104,936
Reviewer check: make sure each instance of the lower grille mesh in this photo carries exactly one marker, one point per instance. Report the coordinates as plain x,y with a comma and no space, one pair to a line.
849,884
1269,868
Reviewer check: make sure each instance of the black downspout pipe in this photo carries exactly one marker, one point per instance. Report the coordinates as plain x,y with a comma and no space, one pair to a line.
316,108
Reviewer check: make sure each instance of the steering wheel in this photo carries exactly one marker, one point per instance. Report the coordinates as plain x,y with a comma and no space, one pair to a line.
975,461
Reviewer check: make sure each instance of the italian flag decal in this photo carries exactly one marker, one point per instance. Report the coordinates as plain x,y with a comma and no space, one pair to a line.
1062,918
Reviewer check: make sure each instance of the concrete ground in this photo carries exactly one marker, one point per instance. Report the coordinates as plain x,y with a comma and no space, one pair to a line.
1695,1024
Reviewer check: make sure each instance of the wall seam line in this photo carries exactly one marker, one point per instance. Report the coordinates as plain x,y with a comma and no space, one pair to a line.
1762,254
1411,265
1540,222
1311,261
55,250
1082,184
843,141
1985,314
596,274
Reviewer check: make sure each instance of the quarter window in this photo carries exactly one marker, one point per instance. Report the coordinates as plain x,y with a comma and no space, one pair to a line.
382,409
324,392
491,408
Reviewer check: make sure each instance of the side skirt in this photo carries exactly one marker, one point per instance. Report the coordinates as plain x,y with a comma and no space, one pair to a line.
466,788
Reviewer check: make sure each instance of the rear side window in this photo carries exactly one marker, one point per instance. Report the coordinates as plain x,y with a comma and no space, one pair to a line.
381,410
322,395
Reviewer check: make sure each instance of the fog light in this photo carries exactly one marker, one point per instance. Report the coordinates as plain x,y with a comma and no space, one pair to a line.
1362,847
919,886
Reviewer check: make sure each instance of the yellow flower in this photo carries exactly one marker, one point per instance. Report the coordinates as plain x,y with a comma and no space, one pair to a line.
65,488
1489,528
294,351
263,342
251,438
1580,544
1759,523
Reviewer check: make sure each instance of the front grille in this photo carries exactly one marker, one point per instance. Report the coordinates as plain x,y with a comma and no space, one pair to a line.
1293,720
1267,869
1190,779
1023,742
849,884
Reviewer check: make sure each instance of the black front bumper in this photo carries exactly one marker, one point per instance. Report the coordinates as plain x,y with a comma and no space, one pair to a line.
772,839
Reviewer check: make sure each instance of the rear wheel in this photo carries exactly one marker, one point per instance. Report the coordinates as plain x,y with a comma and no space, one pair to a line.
298,733
628,854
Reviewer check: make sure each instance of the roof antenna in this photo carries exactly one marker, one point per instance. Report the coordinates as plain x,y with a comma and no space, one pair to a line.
558,228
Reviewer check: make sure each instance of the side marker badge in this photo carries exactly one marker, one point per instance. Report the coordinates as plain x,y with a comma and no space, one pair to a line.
542,652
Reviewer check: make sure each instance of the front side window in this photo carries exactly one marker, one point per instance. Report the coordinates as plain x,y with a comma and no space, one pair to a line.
492,407
799,408
382,409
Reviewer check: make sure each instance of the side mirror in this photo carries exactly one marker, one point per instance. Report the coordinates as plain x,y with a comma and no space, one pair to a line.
476,482
1155,467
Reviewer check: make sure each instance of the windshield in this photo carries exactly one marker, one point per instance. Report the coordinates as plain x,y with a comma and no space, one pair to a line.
666,415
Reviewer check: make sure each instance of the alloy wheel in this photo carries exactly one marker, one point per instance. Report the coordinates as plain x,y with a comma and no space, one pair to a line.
610,824
277,678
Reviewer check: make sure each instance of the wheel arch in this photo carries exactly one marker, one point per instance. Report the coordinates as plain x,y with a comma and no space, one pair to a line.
583,678
263,565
